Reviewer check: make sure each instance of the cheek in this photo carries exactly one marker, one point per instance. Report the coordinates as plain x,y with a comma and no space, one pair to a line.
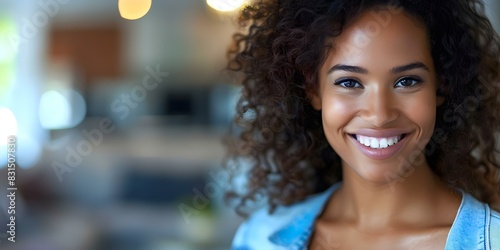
337,112
422,111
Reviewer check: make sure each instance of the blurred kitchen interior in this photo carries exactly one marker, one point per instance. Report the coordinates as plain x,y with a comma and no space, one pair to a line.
119,122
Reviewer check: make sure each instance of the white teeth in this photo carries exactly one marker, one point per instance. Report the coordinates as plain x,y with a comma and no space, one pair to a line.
390,142
373,142
383,143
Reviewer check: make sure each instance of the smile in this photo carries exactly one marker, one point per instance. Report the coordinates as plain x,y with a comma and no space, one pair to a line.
378,143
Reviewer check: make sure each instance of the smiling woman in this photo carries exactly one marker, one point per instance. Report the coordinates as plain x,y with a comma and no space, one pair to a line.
380,121
365,99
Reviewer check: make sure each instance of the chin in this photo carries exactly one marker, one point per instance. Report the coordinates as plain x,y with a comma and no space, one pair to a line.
380,174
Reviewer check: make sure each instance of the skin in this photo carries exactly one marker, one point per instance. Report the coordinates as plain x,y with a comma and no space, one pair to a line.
396,202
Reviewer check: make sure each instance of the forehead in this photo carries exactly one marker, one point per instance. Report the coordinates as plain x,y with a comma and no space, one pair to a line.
378,38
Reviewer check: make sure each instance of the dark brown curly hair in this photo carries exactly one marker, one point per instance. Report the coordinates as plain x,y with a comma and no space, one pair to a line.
277,139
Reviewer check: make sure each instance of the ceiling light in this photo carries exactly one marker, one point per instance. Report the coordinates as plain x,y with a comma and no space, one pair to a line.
225,5
133,9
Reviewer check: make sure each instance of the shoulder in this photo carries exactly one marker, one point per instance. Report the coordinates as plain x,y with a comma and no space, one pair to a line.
476,226
256,230
495,229
263,230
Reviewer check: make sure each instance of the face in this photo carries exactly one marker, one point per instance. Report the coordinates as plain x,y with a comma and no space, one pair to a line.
377,95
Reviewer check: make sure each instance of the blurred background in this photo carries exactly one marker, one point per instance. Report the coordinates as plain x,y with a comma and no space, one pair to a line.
119,123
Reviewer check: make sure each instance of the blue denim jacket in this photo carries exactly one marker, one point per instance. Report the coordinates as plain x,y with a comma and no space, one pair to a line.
476,226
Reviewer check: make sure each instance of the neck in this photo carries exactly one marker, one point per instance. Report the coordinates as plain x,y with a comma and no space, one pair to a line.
373,206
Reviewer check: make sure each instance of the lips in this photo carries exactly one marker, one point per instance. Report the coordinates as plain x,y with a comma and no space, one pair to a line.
380,144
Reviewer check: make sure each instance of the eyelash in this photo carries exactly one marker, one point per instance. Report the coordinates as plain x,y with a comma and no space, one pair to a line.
341,81
417,80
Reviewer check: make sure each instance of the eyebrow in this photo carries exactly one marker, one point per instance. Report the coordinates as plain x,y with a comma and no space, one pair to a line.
415,65
348,68
395,70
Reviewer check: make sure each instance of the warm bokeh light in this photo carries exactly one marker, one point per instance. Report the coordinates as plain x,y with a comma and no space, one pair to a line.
133,9
225,5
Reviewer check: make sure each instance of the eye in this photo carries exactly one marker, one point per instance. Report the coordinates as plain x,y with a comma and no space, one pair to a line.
407,82
348,83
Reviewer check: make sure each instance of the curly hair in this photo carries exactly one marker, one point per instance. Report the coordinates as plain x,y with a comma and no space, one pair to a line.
280,143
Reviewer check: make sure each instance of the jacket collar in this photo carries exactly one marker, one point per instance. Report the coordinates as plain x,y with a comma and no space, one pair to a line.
467,230
297,232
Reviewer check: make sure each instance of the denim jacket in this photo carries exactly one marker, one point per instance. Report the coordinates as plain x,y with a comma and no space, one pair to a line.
476,226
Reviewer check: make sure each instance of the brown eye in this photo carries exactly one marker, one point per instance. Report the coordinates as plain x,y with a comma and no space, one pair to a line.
348,83
407,82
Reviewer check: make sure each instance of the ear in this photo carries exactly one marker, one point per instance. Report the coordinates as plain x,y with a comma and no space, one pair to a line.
312,94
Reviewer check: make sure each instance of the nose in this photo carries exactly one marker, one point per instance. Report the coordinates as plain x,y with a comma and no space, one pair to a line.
380,107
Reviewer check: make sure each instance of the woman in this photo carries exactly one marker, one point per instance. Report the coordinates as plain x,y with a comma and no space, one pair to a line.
368,125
